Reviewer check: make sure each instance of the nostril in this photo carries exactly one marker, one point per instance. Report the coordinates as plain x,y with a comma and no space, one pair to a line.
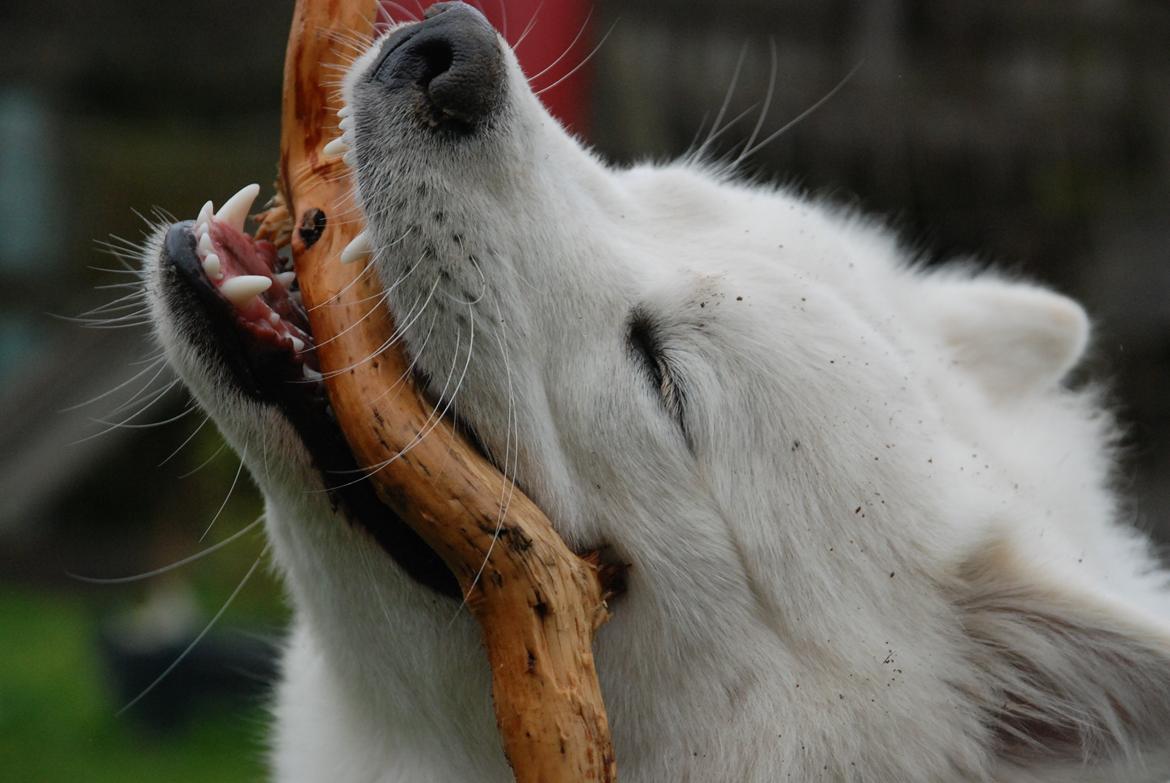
413,59
436,56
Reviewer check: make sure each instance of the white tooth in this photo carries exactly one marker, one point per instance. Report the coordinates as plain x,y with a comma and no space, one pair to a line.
274,317
336,147
311,374
345,111
201,230
241,290
205,246
235,209
346,124
298,344
205,213
356,250
212,267
286,279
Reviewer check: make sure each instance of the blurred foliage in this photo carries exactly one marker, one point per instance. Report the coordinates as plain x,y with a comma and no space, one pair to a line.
58,722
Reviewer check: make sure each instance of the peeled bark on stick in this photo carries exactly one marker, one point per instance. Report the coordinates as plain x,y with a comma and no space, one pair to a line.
537,602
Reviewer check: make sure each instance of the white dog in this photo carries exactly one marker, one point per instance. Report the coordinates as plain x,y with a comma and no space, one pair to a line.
871,535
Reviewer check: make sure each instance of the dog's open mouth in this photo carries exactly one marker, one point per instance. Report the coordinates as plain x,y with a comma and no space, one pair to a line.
251,308
251,303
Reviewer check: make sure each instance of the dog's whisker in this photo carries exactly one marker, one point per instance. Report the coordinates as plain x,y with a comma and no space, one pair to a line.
205,462
580,32
186,440
187,651
122,580
231,489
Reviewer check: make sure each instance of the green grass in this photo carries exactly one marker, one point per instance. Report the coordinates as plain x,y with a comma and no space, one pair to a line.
58,720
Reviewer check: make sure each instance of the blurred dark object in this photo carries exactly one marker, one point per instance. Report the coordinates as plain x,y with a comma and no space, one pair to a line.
224,669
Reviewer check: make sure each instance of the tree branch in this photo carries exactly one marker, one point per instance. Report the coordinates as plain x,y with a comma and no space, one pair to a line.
536,601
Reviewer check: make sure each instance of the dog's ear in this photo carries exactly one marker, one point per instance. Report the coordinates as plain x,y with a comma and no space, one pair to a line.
1013,337
1065,676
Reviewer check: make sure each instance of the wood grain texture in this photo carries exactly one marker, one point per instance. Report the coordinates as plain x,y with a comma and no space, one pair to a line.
537,602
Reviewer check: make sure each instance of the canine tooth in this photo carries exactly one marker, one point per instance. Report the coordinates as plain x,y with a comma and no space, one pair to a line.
205,214
311,374
235,209
205,246
240,290
211,266
274,318
298,344
336,147
356,250
286,279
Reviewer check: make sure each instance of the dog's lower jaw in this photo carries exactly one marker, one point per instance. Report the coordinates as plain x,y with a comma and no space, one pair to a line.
382,678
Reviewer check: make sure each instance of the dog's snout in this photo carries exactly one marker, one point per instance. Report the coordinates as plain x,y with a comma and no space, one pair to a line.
453,57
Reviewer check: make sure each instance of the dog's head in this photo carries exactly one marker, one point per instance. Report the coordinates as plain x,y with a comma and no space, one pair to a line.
870,532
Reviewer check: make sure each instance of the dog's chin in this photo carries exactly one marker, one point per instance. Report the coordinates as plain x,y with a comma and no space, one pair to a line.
247,346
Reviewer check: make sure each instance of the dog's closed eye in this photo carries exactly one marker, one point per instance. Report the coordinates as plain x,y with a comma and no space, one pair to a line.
644,337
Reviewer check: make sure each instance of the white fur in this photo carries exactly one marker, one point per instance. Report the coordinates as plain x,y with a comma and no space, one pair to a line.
887,518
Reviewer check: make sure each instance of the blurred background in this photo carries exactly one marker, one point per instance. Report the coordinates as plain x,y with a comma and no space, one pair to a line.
1034,133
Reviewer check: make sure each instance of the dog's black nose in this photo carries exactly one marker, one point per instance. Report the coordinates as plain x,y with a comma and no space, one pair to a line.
453,57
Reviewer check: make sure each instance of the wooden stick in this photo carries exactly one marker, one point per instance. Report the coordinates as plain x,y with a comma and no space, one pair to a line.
536,601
